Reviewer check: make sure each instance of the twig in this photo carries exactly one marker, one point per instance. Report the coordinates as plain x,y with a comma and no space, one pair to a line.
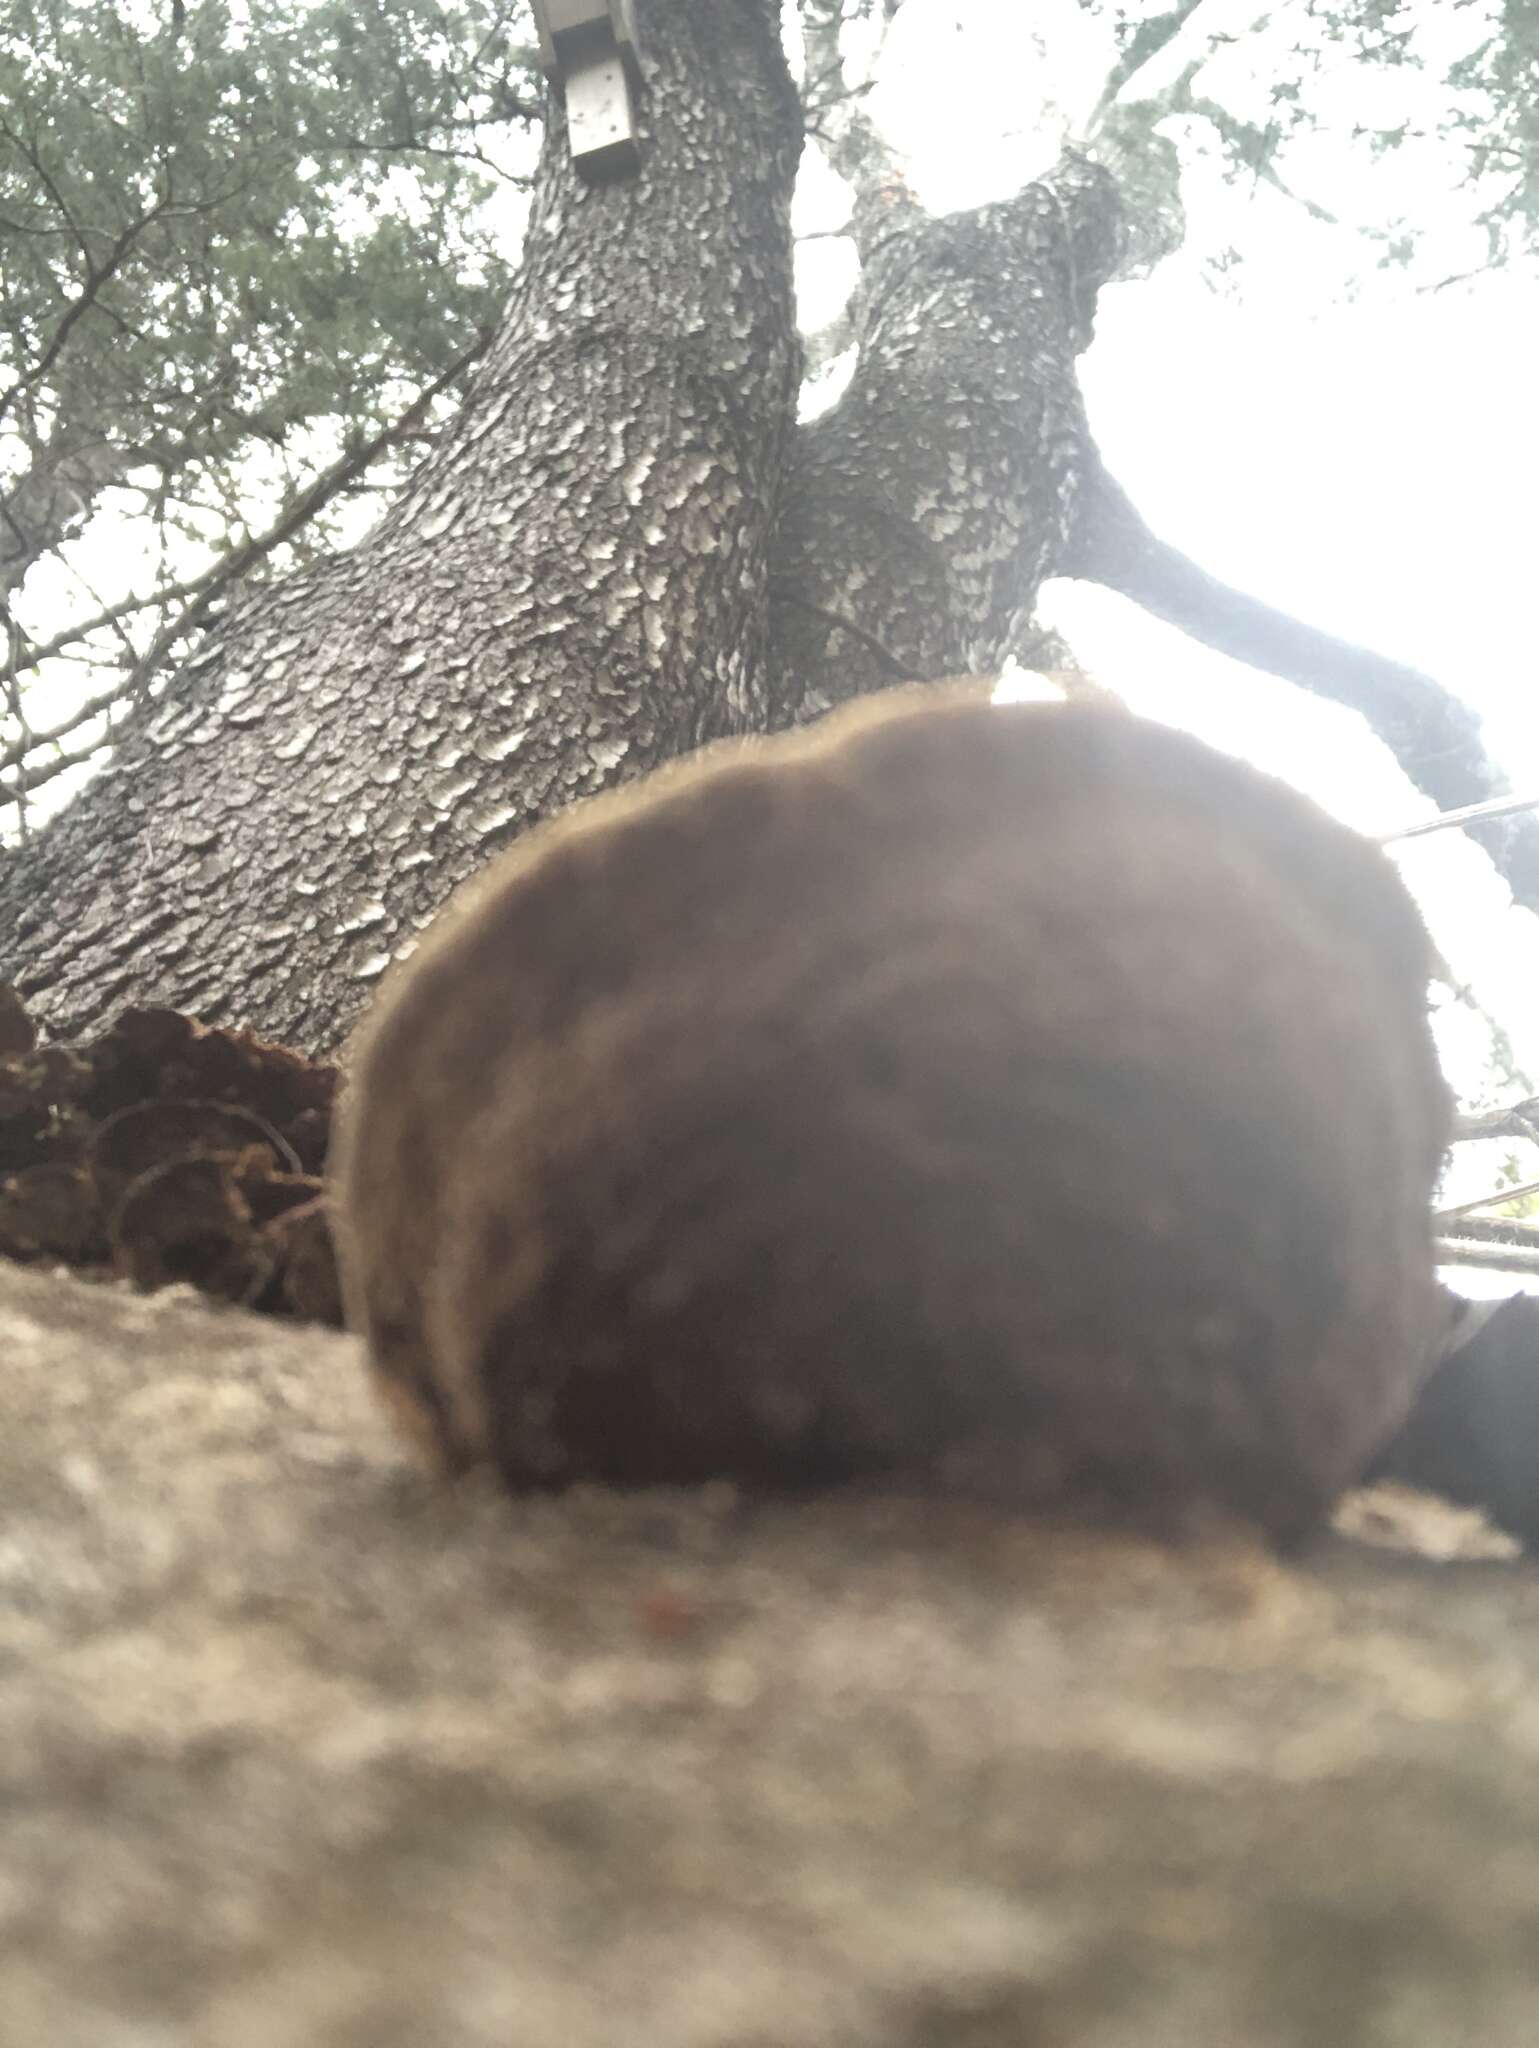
1143,45
1516,1120
1495,1201
99,274
82,714
17,710
1505,1258
1498,1230
1467,814
297,515
888,660
22,784
205,589
853,143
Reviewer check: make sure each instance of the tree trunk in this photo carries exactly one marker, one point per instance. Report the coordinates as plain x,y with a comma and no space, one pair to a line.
573,587
623,546
925,510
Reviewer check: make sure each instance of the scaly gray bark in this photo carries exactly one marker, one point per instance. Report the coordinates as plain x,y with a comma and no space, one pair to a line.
926,509
573,586
624,546
589,575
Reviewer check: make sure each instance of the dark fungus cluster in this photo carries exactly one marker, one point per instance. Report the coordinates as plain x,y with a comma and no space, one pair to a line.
169,1150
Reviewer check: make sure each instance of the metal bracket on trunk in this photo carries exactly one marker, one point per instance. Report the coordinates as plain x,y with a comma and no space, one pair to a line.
589,48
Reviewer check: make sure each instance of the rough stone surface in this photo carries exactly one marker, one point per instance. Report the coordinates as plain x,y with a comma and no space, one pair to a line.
300,1751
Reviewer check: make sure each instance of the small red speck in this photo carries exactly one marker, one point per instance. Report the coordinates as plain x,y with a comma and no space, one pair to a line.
665,1614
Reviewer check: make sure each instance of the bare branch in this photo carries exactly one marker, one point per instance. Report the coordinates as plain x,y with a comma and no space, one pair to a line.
1467,1250
32,742
1469,814
297,515
17,711
98,275
202,591
21,785
1249,142
1435,737
854,145
1143,46
1492,1201
32,654
1517,1120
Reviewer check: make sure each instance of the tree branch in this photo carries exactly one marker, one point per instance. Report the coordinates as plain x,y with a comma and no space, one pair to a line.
22,785
205,589
1494,1200
854,145
1513,1120
1468,1250
1145,44
1435,737
298,514
32,654
98,275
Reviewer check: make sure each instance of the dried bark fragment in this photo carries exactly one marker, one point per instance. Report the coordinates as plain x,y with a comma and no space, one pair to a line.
302,1243
168,1150
51,1212
150,1053
187,1220
133,1140
310,1133
17,1031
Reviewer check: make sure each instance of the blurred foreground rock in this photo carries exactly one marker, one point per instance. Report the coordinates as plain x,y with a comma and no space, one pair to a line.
297,1750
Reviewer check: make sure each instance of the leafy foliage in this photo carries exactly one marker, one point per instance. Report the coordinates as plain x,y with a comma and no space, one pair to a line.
1450,86
234,229
213,204
1498,118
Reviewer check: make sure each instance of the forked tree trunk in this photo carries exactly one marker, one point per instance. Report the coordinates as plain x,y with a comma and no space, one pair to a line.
623,546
